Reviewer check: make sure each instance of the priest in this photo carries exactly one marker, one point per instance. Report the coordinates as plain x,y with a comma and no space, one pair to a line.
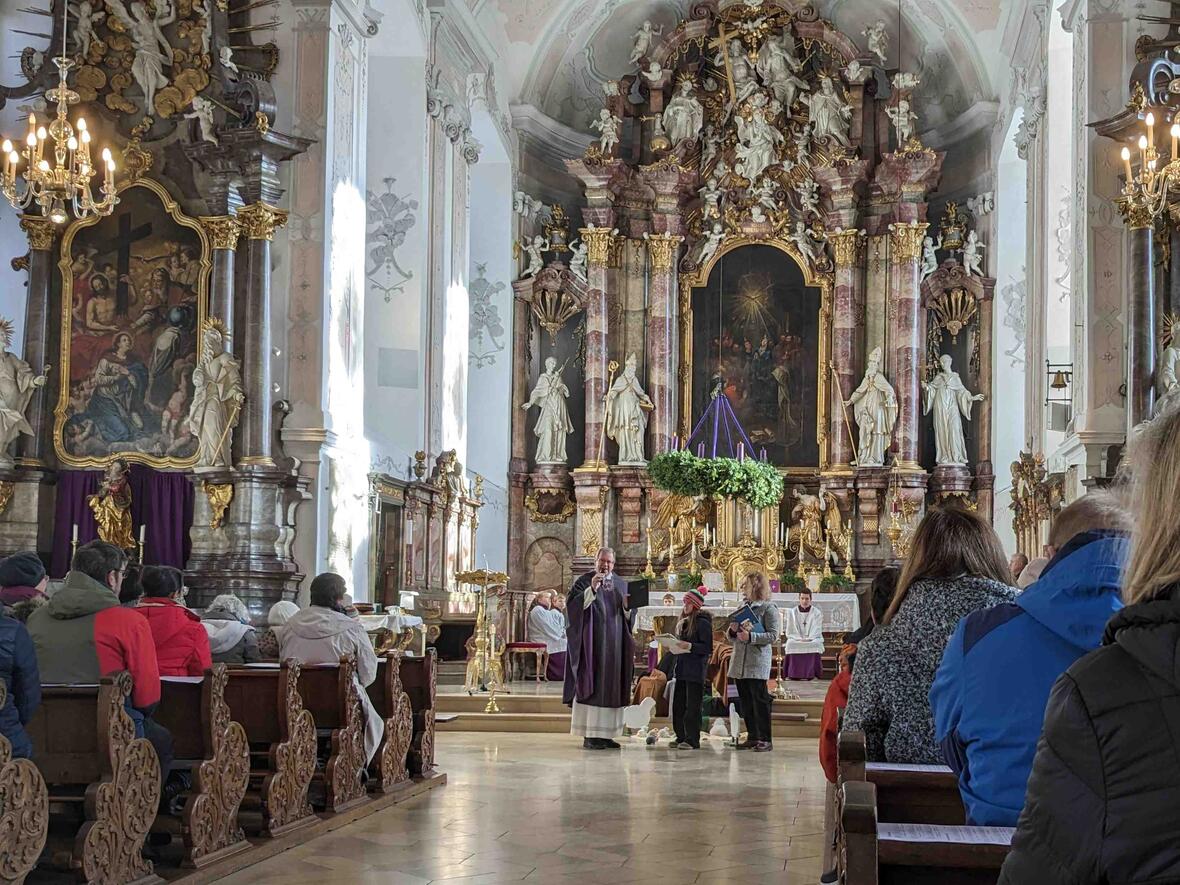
805,639
600,656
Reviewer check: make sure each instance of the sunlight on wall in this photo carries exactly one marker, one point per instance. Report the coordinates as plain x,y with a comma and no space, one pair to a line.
454,356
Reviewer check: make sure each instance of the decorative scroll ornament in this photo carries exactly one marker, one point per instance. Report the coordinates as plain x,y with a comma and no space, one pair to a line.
284,794
223,230
24,811
40,231
219,495
344,773
399,729
421,757
260,220
557,507
553,306
954,310
7,489
905,240
662,249
846,245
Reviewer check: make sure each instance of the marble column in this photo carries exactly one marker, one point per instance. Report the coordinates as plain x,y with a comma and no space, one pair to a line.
518,463
905,244
847,245
1172,301
259,222
598,242
1141,316
223,232
663,250
33,450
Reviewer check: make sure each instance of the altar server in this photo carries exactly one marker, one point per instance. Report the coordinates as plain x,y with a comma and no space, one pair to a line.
805,639
547,625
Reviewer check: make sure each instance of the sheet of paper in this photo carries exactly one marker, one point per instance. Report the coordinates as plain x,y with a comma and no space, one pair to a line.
190,679
901,766
934,833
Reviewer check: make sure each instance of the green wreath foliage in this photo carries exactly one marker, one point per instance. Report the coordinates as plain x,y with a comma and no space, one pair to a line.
683,473
835,584
790,582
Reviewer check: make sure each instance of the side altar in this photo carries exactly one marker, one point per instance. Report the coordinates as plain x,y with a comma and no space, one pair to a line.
756,232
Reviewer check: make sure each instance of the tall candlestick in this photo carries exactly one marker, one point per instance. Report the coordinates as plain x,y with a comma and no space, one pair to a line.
787,538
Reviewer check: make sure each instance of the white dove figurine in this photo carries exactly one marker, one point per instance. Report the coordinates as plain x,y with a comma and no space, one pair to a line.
639,715
719,728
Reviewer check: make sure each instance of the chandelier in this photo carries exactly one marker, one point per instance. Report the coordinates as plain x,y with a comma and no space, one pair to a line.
65,181
1148,190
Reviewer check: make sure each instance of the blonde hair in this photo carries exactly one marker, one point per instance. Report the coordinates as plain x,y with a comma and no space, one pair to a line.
757,587
1153,566
1100,510
950,541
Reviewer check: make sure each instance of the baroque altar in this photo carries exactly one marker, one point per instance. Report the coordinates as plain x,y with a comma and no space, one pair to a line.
755,227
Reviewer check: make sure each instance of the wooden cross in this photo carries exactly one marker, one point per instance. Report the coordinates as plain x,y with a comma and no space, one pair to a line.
121,246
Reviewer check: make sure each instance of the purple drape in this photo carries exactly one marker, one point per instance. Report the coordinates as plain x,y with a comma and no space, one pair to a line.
161,501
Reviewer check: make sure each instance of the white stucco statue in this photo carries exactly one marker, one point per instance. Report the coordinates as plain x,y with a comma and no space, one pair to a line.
654,73
643,40
710,144
710,199
711,244
973,255
951,403
778,66
610,126
1168,375
828,113
202,112
626,415
764,194
904,81
227,60
578,254
930,255
802,140
810,245
874,405
18,382
904,119
808,191
744,82
758,140
217,400
553,422
878,39
86,18
152,50
685,115
535,250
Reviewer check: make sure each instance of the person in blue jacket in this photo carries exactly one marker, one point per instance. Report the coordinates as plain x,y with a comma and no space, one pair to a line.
989,695
18,669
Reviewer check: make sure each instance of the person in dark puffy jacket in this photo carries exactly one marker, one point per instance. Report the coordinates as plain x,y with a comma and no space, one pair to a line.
22,584
182,646
1102,797
18,669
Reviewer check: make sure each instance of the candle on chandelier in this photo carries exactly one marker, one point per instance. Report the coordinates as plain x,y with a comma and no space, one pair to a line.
42,135
1127,165
1150,121
1143,150
6,149
1175,139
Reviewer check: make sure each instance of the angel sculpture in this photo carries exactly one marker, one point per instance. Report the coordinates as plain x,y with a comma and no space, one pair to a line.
809,244
654,73
778,66
609,125
227,59
903,118
86,18
643,40
758,140
578,259
828,113
534,249
808,191
820,530
855,71
802,139
201,8
930,255
710,199
903,81
764,194
973,255
711,244
202,112
710,144
878,39
152,50
684,115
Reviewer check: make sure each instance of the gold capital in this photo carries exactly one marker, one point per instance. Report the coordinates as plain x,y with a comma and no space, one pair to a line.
223,230
598,242
905,241
40,231
1135,213
662,249
260,220
846,244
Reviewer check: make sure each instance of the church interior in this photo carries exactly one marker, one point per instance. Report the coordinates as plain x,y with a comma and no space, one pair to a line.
507,312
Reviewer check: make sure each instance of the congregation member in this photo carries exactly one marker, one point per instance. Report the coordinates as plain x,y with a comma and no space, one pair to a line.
232,637
956,566
880,595
182,648
18,669
600,655
1016,565
547,625
268,639
695,632
804,626
323,633
82,634
1101,799
1031,572
132,590
986,722
749,666
22,584
835,701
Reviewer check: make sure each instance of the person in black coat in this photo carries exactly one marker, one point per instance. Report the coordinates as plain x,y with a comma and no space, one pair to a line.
18,669
1101,801
695,629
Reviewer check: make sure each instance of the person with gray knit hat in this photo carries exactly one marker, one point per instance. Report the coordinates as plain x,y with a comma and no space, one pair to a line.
22,584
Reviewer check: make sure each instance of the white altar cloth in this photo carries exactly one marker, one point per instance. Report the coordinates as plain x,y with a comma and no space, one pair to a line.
841,611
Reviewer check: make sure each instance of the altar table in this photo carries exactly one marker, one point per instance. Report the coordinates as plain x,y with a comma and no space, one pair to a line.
841,611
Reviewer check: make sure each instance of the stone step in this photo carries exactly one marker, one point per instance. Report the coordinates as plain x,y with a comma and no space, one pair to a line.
795,723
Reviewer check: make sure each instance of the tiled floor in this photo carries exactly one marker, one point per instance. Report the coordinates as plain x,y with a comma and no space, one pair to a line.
539,809
814,690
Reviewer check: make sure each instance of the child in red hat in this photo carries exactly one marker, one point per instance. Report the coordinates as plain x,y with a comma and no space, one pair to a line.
695,630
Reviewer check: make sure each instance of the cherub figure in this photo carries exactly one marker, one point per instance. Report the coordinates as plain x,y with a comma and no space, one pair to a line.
878,39
903,118
535,250
711,199
654,73
86,18
202,112
930,255
711,244
763,193
808,191
973,255
809,244
609,125
579,252
643,39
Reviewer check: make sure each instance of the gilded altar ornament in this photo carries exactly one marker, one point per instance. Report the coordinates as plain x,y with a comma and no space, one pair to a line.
847,244
954,310
662,249
223,230
419,465
559,511
112,506
260,220
7,490
819,529
905,241
484,670
18,383
553,306
40,231
901,524
219,495
598,242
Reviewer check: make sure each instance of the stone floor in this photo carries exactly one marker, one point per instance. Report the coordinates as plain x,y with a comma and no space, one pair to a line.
537,808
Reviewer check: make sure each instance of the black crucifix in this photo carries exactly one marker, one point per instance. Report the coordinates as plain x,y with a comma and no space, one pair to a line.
121,246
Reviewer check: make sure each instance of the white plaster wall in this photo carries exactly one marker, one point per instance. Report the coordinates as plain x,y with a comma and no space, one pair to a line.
1009,319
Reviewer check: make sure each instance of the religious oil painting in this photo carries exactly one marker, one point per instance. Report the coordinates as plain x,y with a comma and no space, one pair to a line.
756,334
134,295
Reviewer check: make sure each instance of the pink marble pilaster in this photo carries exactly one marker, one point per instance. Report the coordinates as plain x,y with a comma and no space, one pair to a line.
848,248
663,250
598,241
906,337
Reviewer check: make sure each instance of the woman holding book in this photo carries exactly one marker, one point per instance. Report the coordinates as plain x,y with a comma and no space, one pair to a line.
753,631
695,634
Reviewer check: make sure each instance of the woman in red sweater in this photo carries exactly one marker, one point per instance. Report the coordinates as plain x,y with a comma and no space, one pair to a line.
182,645
829,731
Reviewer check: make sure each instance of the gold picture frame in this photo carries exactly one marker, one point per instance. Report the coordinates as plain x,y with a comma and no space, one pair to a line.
66,264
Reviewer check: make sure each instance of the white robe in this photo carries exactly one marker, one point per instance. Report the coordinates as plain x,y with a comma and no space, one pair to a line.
547,625
805,631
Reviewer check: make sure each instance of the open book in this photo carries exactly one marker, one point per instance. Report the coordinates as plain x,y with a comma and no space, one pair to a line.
673,644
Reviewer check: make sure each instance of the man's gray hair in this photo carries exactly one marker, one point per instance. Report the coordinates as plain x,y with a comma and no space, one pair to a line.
602,550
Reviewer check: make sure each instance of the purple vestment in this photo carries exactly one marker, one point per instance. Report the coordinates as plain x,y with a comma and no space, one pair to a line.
600,656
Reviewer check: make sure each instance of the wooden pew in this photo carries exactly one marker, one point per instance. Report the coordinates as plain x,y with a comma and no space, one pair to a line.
87,753
905,793
207,740
281,733
332,696
878,853
420,678
392,703
24,811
